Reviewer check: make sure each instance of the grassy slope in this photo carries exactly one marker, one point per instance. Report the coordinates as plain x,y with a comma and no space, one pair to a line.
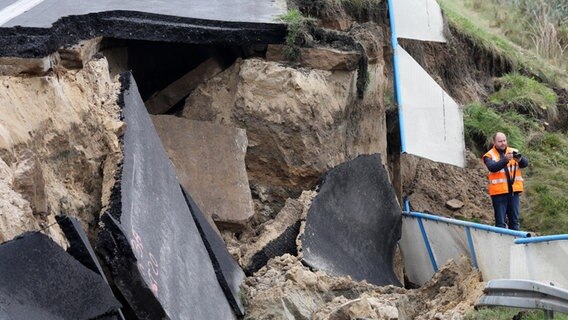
477,25
516,110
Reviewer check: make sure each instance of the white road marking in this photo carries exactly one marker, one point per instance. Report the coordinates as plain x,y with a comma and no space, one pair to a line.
16,9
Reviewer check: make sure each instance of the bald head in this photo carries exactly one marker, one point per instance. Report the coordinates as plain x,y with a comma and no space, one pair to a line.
500,141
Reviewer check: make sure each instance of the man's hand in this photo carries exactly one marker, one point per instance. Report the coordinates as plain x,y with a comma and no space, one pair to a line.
509,156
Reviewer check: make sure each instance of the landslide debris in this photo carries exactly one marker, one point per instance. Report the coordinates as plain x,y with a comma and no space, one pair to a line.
299,122
58,139
430,186
286,289
59,145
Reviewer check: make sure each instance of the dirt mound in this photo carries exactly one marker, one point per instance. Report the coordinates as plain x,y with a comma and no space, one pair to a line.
58,138
286,289
430,185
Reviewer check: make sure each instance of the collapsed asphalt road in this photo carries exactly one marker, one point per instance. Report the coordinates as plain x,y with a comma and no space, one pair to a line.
56,23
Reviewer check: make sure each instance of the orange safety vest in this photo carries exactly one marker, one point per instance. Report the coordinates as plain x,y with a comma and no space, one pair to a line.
498,180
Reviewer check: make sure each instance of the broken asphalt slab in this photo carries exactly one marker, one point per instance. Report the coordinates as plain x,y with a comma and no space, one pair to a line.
276,238
228,271
354,223
39,280
38,41
80,248
79,245
148,239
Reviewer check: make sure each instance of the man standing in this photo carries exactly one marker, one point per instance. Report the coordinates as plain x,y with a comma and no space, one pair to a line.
505,181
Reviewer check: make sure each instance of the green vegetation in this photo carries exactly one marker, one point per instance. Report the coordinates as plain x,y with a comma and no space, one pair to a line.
525,95
467,21
481,122
545,203
536,25
547,199
298,29
531,35
509,313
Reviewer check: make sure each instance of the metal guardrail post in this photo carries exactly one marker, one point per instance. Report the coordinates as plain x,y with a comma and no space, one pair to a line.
525,294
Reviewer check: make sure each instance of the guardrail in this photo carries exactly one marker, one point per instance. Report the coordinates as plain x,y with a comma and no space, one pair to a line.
524,294
556,237
479,226
541,259
428,241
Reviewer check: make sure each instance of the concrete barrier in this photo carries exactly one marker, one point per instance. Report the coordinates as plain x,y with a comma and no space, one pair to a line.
541,259
429,241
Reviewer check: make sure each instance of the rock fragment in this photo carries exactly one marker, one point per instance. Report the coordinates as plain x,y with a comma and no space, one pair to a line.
209,159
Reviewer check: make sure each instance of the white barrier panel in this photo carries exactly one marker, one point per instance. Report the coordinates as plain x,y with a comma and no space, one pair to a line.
432,123
417,265
493,253
428,242
448,241
545,262
419,20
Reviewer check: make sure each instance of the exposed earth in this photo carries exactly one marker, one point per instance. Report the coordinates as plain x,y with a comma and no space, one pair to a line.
60,150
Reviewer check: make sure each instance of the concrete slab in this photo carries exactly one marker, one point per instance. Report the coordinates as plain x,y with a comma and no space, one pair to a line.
41,281
418,20
148,239
354,223
432,121
210,163
167,98
228,271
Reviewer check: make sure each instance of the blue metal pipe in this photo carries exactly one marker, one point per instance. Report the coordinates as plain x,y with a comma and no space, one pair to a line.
428,246
479,226
471,247
406,205
555,237
396,76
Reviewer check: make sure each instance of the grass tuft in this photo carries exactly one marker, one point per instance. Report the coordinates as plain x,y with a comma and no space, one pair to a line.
502,42
298,31
481,122
536,25
526,95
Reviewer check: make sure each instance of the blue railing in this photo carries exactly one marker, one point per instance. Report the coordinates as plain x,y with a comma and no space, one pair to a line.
479,226
555,237
396,76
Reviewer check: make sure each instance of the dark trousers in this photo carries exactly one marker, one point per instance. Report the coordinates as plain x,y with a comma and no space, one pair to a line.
507,206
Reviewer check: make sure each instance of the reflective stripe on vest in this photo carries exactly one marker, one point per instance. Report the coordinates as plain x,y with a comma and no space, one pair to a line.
495,181
498,183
